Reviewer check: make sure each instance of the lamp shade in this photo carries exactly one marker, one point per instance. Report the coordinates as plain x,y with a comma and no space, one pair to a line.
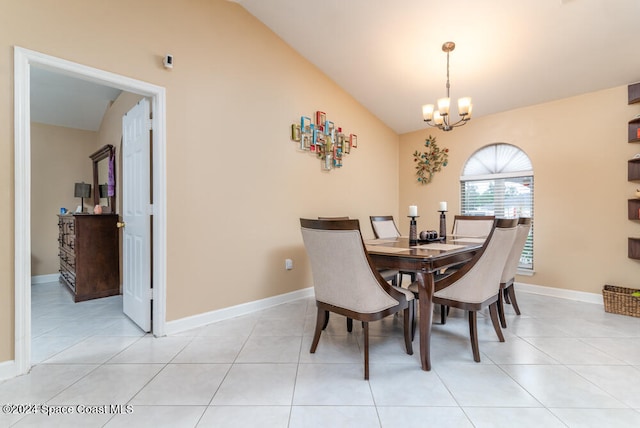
427,111
443,106
82,190
464,106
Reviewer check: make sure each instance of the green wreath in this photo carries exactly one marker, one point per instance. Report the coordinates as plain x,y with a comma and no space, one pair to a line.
431,161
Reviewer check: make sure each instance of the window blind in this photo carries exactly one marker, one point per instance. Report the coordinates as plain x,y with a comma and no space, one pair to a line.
503,195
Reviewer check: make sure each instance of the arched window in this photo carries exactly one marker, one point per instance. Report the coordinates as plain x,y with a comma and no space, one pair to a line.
498,180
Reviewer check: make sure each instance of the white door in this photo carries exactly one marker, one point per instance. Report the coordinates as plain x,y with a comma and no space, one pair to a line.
136,214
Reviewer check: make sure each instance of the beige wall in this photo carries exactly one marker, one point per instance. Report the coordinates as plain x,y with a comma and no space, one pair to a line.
59,158
236,184
579,150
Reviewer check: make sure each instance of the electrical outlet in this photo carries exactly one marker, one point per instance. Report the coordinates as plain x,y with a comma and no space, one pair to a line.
288,264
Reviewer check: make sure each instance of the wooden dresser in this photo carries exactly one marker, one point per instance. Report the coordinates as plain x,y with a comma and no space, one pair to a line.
89,255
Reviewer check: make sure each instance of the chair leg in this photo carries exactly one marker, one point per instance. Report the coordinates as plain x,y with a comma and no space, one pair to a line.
473,334
493,312
511,292
503,320
444,311
506,296
408,322
414,303
366,350
326,320
349,325
321,318
399,276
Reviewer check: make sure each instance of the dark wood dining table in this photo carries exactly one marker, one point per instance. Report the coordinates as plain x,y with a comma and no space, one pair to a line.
425,259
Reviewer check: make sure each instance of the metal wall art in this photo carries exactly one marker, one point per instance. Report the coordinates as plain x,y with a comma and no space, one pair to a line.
322,138
431,161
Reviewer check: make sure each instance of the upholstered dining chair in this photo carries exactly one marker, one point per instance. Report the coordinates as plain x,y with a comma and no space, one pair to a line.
388,275
384,227
475,226
507,292
476,284
346,282
469,226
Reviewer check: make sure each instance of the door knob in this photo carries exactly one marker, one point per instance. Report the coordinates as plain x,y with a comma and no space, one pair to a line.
120,224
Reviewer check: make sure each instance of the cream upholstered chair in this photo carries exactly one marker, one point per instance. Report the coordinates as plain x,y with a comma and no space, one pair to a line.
472,226
508,293
469,226
384,227
476,284
345,281
387,274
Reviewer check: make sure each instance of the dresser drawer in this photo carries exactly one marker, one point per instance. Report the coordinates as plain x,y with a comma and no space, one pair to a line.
68,278
67,260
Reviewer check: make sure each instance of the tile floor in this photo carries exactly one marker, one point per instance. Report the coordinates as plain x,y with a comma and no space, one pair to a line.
564,364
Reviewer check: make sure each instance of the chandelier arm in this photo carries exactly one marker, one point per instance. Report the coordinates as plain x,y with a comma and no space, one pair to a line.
446,126
460,122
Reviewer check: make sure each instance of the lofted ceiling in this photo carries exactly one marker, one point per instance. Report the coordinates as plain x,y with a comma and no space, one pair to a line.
388,54
509,53
57,99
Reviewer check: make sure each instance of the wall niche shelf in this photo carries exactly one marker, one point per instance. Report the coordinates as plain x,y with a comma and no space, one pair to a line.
633,170
634,248
634,130
634,209
633,165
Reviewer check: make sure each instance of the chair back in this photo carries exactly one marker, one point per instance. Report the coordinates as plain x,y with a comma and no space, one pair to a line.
473,226
511,266
333,218
384,227
479,279
342,272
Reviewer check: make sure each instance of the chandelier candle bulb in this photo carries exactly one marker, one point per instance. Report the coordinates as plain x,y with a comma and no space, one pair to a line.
443,106
443,206
464,105
427,112
413,211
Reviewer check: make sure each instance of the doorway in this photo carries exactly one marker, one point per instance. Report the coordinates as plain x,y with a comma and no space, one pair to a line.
23,61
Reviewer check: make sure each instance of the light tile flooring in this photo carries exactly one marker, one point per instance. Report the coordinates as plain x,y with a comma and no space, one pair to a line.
564,363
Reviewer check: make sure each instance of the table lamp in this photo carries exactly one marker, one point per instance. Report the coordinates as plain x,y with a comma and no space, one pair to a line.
82,190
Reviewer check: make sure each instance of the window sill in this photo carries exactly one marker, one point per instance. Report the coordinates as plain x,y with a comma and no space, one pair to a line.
526,272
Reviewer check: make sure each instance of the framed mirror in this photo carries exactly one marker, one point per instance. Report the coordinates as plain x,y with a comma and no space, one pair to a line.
104,178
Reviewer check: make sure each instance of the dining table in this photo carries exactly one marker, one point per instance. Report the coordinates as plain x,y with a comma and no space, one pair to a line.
425,258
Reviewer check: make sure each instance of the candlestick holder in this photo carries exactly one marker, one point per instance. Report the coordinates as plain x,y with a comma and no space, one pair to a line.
413,230
443,224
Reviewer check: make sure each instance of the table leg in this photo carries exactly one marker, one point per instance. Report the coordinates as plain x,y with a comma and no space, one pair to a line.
425,294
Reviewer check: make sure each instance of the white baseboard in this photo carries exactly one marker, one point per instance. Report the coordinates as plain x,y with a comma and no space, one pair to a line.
195,321
580,296
42,279
8,370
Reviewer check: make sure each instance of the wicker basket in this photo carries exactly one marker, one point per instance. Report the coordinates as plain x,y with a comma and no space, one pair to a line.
618,300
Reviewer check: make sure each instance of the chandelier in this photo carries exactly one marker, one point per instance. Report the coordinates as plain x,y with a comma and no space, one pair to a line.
440,118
